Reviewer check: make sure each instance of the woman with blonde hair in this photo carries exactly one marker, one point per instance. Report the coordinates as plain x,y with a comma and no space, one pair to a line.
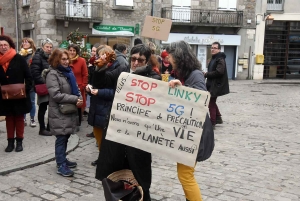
102,92
27,51
63,92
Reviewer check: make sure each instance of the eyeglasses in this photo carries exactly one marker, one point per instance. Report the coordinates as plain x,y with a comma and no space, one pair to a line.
140,60
64,59
4,45
214,48
25,42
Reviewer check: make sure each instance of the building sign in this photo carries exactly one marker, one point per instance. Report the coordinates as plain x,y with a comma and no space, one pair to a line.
111,30
151,116
204,39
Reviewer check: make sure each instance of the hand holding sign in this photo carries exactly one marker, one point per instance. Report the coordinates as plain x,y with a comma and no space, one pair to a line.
158,28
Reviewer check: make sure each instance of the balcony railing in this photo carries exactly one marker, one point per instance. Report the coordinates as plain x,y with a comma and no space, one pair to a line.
275,5
73,10
204,17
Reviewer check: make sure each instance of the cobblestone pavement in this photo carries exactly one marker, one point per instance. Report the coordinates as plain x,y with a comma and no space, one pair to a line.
256,156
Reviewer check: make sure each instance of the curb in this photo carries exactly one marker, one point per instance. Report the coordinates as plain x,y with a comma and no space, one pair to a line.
72,145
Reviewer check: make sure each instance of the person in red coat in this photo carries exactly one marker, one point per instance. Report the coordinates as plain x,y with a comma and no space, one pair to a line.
79,68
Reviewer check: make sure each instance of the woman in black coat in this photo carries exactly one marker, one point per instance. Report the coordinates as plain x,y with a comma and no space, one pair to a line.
114,156
14,70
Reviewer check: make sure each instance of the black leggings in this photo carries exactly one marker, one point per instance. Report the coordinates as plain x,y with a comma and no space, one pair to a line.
41,115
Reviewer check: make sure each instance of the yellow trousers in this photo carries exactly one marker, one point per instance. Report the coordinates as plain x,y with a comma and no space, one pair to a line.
189,184
98,136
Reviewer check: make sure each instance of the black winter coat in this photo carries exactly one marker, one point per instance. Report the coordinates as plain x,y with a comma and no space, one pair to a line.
114,156
102,102
217,78
39,63
17,72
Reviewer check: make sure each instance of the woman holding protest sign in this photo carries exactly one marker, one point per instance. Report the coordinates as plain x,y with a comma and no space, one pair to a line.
188,72
114,156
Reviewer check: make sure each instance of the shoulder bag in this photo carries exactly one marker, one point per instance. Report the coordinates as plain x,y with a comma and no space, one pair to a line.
41,89
13,91
67,108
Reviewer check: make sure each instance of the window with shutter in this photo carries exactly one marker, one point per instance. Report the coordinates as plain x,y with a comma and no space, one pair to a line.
26,2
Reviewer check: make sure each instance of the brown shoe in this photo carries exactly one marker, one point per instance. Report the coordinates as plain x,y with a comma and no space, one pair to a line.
45,133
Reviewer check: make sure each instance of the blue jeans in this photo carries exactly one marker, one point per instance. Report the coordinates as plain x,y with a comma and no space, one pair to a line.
61,148
88,101
32,111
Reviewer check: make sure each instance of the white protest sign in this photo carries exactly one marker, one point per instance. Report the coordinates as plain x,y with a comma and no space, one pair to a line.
149,115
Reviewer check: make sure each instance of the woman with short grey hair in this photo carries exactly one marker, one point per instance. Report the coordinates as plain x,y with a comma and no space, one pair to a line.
40,63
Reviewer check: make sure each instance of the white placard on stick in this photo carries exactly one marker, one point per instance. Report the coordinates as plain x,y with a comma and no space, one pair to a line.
149,115
158,28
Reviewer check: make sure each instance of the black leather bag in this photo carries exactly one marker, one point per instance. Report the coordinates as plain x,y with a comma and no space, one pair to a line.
207,142
120,190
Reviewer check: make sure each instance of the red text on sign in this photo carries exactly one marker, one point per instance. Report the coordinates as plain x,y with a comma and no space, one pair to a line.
139,98
143,84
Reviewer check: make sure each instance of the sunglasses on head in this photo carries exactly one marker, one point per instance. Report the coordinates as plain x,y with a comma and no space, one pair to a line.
140,60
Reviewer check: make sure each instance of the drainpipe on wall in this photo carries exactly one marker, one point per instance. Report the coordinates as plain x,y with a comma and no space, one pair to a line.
17,31
152,9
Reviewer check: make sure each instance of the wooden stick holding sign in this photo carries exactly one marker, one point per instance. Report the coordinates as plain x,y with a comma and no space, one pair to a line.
149,115
158,28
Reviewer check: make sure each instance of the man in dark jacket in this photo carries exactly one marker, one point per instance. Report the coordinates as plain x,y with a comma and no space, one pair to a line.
39,63
217,81
121,51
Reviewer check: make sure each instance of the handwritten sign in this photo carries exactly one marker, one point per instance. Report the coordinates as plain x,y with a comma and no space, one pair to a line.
158,28
149,115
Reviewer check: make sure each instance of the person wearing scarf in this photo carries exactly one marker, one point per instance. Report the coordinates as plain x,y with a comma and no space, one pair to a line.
79,68
27,51
63,90
14,70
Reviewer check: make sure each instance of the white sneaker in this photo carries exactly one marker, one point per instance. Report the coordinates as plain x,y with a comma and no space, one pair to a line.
32,123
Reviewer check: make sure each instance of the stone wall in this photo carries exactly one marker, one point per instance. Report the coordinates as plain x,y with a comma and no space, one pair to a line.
7,18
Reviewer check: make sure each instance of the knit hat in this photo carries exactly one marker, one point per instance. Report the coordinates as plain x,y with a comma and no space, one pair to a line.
164,54
137,41
46,41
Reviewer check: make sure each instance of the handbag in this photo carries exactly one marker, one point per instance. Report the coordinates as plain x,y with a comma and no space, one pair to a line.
120,190
67,108
207,142
41,89
13,91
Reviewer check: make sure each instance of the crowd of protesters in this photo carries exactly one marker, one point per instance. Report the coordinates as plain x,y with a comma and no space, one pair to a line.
68,87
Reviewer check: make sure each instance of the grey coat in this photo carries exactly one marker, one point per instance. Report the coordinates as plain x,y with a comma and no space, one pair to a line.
60,92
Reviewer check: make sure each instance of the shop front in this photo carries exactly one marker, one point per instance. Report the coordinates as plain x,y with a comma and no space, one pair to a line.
111,34
201,44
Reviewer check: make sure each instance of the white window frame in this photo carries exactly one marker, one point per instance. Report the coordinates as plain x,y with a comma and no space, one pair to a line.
26,2
227,5
72,7
181,5
124,3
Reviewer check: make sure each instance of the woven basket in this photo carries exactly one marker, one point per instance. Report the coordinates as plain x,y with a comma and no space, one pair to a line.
126,175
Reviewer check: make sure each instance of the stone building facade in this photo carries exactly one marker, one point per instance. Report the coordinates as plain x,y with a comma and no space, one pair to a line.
113,21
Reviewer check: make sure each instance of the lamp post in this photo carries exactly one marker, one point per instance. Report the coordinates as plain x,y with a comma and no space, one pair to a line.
265,17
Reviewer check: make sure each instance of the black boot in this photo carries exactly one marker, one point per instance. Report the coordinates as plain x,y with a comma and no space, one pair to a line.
19,146
11,145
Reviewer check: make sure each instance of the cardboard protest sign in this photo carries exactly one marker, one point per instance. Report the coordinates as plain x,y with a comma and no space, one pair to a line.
149,115
158,28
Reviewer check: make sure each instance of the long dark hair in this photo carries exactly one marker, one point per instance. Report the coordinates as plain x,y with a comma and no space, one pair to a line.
184,58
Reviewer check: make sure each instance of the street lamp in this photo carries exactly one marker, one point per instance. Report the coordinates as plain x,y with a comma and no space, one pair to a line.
266,17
